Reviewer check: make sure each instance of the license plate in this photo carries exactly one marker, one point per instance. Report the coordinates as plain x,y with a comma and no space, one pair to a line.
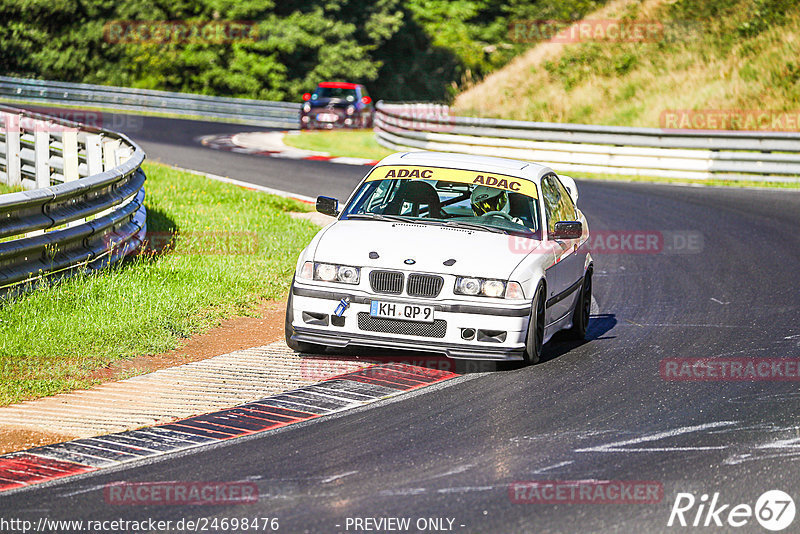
327,117
405,312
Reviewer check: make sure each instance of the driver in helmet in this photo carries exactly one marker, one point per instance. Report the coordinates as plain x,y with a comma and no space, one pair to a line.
488,200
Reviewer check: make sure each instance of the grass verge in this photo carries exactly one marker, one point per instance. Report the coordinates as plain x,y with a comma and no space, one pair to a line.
718,56
9,189
346,143
231,248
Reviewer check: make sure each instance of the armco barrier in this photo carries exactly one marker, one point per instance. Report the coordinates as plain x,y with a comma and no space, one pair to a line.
257,112
693,154
83,203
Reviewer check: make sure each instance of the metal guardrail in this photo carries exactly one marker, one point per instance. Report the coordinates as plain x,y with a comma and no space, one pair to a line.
84,208
693,154
257,112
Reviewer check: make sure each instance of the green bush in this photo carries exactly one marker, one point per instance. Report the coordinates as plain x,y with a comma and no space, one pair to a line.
415,50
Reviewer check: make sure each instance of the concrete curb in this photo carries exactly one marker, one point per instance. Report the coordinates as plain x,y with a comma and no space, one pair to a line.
269,144
348,391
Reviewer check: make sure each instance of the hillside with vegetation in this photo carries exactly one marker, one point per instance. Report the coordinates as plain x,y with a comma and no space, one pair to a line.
402,50
719,55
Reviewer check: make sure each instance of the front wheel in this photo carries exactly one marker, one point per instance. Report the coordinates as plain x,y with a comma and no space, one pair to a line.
534,341
583,307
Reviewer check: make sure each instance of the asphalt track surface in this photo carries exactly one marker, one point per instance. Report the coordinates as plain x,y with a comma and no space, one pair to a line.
593,411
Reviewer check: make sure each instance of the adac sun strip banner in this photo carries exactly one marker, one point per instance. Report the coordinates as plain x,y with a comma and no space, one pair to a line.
499,181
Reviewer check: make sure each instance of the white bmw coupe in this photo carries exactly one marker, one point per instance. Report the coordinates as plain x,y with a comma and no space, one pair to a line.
473,257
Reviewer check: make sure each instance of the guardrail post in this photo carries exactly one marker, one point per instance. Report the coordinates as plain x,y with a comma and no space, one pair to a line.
110,147
70,142
94,154
41,143
123,154
13,164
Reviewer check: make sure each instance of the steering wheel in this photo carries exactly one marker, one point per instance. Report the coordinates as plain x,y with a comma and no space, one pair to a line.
501,214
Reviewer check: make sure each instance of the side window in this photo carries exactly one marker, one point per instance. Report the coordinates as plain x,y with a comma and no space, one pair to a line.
550,195
566,206
377,199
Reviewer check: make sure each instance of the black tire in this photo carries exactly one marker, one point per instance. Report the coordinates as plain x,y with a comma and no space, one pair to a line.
583,307
297,346
535,337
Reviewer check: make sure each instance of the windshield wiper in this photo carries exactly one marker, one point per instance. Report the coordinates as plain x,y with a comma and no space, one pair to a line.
474,226
380,217
434,222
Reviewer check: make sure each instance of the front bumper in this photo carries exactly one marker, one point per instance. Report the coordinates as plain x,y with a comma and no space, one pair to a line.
314,307
309,120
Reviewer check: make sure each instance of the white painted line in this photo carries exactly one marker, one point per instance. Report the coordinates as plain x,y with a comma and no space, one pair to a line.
248,185
554,466
337,477
616,446
781,444
351,161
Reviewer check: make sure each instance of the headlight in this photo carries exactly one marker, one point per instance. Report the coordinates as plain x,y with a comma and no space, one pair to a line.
493,288
307,107
328,272
468,286
348,275
351,110
488,288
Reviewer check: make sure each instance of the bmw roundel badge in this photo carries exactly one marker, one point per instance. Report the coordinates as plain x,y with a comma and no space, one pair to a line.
409,261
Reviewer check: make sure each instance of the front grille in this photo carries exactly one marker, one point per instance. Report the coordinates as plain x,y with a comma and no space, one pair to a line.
424,285
390,282
437,328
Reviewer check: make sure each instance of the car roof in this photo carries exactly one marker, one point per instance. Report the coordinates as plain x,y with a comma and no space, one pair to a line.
339,85
513,167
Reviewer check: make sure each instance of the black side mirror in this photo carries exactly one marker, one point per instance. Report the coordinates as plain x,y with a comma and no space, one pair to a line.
567,230
328,206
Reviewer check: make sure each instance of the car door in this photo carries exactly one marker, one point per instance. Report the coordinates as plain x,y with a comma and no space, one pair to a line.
573,256
558,280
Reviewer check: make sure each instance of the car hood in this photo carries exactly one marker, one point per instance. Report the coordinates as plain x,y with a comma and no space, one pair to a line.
476,253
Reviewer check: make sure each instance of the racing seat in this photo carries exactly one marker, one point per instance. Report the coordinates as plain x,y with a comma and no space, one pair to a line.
417,194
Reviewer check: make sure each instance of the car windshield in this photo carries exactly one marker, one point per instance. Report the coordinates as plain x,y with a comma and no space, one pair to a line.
334,92
460,198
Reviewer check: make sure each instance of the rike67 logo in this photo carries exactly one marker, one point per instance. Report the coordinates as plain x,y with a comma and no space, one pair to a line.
774,510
